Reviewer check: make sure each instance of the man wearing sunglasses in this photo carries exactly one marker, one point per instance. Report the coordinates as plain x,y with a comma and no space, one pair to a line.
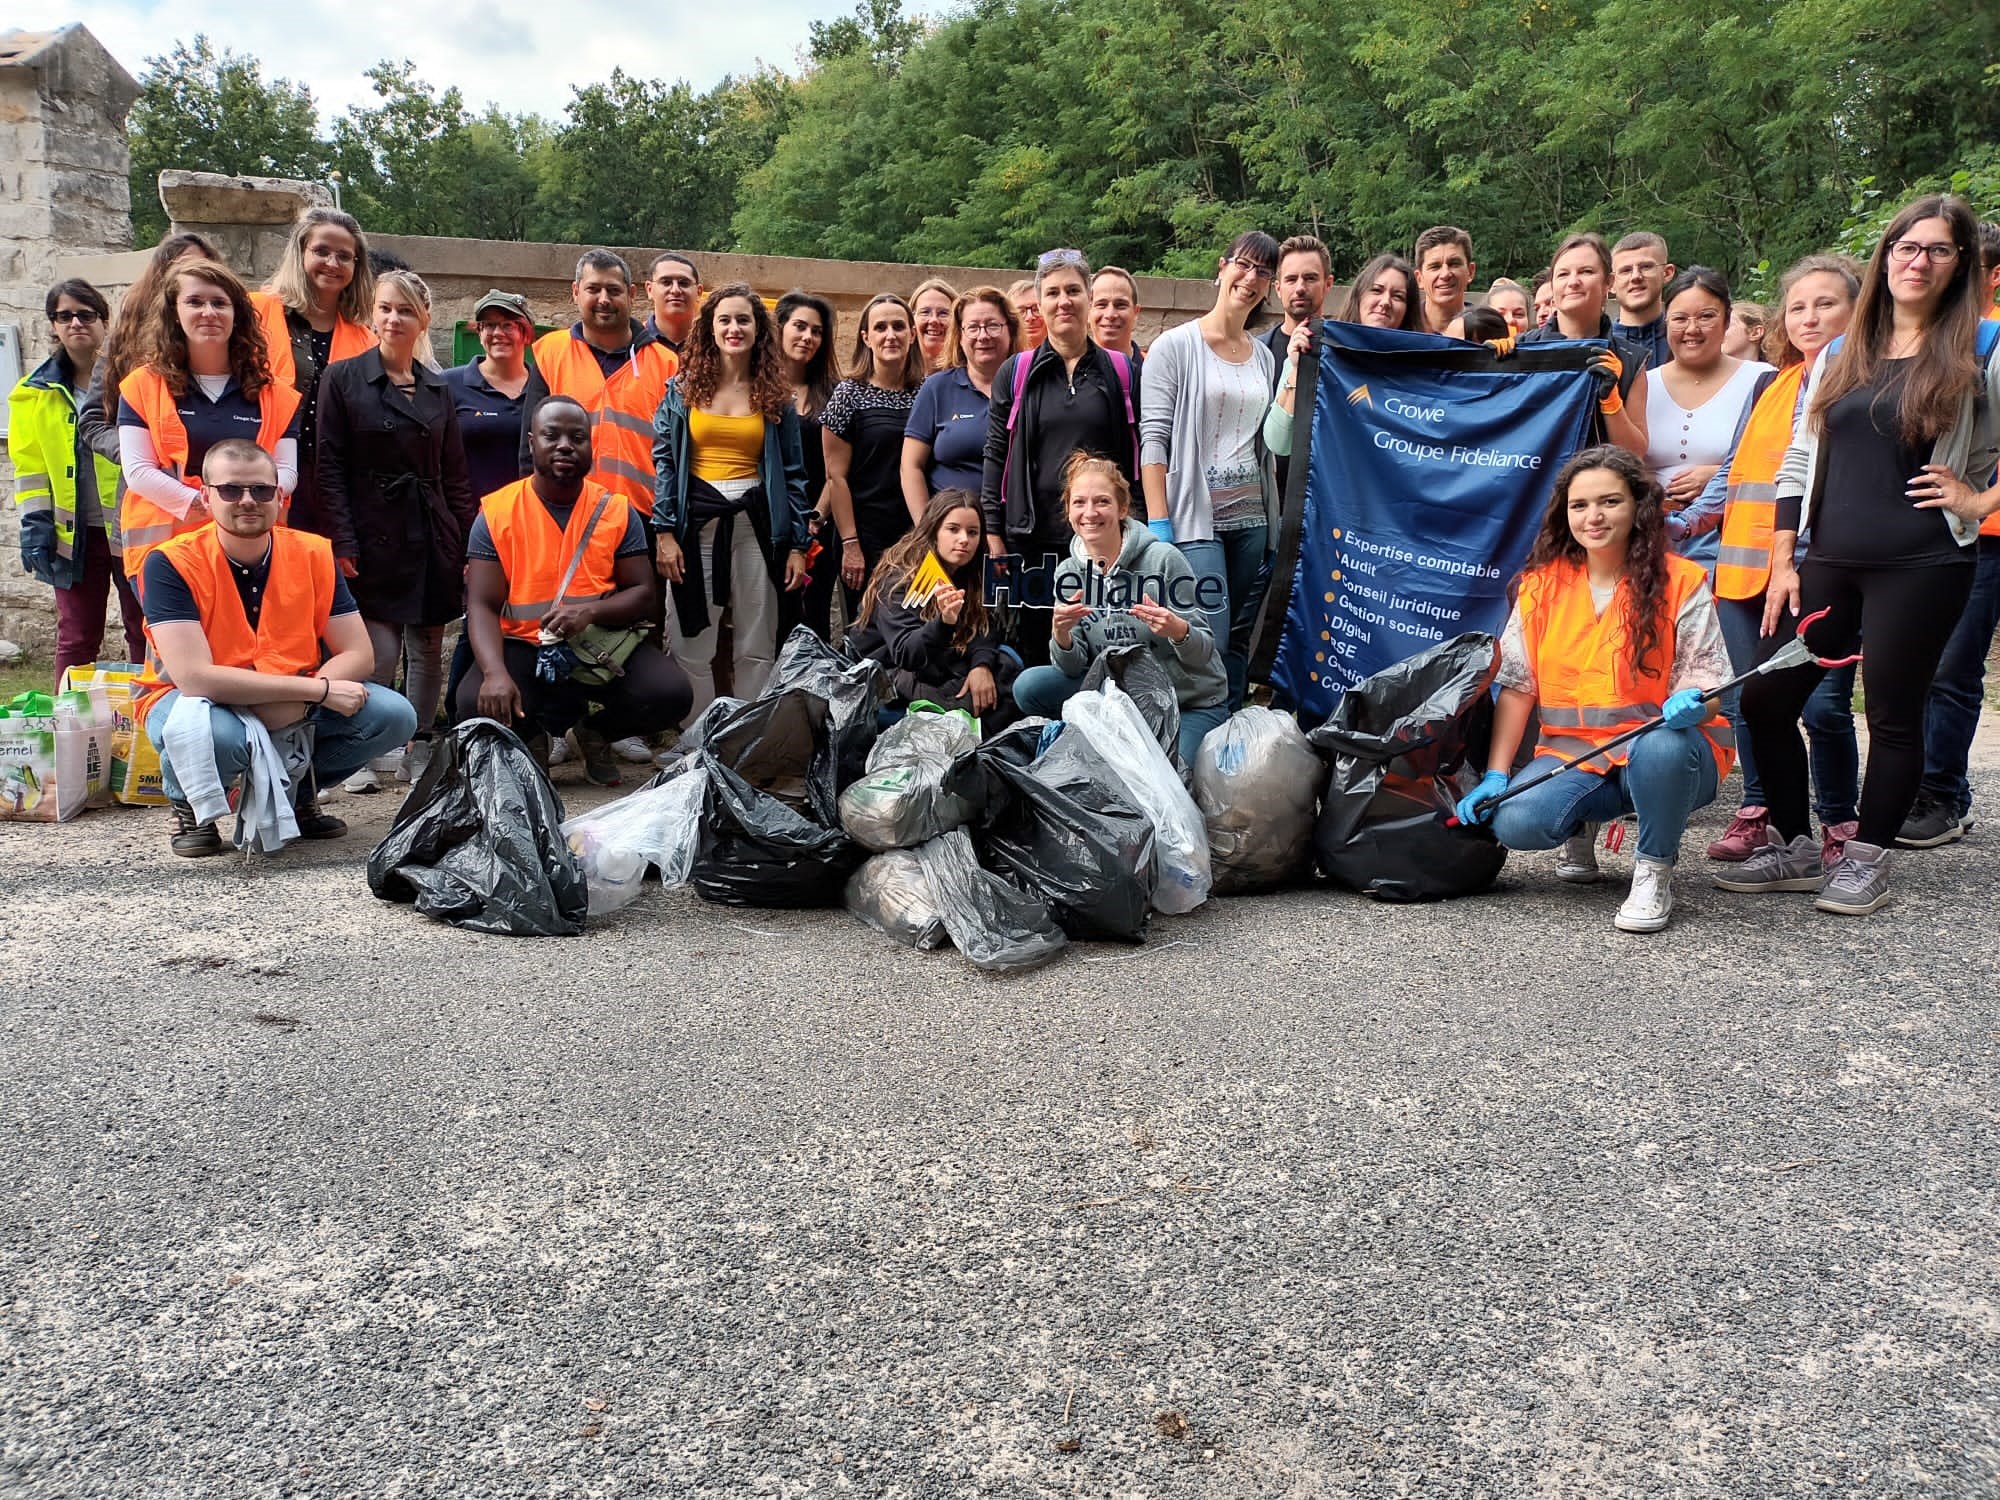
255,618
68,495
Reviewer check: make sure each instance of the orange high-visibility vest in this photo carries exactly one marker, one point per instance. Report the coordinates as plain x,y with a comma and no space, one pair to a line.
298,603
146,525
349,338
534,554
1587,686
621,407
1743,560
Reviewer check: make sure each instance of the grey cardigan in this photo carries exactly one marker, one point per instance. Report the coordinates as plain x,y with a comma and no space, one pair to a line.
1968,447
1172,409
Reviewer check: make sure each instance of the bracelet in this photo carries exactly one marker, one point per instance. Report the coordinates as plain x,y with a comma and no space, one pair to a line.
326,686
850,541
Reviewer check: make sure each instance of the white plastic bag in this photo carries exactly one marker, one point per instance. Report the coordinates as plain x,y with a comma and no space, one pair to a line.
892,894
657,826
1258,782
1113,726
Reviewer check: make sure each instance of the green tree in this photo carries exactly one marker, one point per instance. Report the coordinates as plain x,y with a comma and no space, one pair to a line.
419,163
212,111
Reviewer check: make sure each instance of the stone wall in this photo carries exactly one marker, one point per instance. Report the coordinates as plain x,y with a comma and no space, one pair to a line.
63,189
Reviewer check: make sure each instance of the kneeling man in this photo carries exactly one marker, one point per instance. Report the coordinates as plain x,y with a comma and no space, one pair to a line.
257,677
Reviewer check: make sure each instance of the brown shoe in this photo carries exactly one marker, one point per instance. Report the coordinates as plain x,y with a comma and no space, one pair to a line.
191,839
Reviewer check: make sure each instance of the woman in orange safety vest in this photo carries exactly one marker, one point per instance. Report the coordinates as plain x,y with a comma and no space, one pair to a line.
317,308
206,378
1815,301
1610,630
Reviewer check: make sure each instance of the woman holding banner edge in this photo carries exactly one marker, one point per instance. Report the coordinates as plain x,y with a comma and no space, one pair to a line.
1609,630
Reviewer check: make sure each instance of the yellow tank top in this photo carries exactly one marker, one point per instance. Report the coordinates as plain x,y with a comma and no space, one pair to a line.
725,447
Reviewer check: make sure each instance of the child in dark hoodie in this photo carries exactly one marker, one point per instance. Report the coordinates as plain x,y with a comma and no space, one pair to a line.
1123,585
935,633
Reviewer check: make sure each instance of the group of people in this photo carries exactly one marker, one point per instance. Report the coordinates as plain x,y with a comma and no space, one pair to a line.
995,486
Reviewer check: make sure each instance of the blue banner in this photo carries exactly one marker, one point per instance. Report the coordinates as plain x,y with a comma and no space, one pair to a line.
1430,466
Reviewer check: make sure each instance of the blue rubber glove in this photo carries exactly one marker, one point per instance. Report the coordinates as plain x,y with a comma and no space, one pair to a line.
38,562
1476,805
1684,710
1161,527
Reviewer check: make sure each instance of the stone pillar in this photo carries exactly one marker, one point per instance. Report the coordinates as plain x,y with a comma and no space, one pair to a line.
246,218
63,190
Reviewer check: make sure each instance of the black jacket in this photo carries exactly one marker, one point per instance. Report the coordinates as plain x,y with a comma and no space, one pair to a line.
920,649
393,490
1024,467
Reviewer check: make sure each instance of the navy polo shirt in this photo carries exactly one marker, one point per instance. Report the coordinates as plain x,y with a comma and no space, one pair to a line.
230,415
950,415
489,426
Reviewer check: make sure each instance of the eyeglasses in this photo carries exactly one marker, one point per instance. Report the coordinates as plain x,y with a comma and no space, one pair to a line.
1255,270
1706,319
230,494
1902,252
487,327
1050,259
83,315
983,330
684,283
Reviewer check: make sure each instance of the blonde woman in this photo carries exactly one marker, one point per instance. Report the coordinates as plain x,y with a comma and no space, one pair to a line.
397,502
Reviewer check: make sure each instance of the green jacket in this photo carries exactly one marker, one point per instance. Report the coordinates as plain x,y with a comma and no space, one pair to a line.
42,445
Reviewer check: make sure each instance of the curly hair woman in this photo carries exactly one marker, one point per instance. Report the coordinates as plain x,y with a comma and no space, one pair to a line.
729,491
205,377
1609,629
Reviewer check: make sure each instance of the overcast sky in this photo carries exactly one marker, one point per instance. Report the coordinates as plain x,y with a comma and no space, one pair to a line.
520,54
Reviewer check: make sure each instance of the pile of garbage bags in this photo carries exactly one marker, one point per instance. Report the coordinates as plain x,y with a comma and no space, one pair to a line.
1005,848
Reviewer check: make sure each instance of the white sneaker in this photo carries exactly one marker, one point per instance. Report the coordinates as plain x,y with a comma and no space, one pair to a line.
1576,861
633,750
416,761
1651,901
559,751
361,782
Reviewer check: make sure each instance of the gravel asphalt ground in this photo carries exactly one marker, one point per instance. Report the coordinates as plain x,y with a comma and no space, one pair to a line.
308,1196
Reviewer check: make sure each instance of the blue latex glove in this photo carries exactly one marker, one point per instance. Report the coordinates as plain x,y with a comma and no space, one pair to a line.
1684,710
39,562
1161,527
1476,805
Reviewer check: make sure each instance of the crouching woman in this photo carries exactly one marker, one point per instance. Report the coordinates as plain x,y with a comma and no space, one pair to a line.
1121,585
1610,629
925,618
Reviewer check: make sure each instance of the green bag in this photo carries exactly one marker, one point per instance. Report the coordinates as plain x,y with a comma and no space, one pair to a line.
601,650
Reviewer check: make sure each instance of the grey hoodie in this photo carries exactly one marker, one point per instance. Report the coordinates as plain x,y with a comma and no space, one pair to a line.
1155,569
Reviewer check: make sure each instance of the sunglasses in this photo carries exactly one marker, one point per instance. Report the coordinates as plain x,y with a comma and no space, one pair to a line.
1050,259
231,494
83,315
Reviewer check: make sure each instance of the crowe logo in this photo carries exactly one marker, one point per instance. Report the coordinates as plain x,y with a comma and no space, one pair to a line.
1360,397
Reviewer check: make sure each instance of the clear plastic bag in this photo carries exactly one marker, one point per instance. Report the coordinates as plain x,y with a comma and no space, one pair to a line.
891,893
1118,732
921,782
999,928
1258,782
657,827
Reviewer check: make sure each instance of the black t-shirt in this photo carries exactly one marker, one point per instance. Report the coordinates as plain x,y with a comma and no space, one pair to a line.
1863,515
872,420
322,350
168,598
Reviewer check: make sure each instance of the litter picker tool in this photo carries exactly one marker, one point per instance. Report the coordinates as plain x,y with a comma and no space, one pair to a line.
1794,653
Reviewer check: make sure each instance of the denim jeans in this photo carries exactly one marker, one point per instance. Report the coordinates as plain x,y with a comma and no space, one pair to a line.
1042,691
342,743
1952,715
1235,559
1671,773
1829,720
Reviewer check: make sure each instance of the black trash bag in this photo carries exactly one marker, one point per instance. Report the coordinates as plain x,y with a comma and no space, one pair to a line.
781,744
479,844
1138,672
1062,832
1405,746
999,929
756,850
854,690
